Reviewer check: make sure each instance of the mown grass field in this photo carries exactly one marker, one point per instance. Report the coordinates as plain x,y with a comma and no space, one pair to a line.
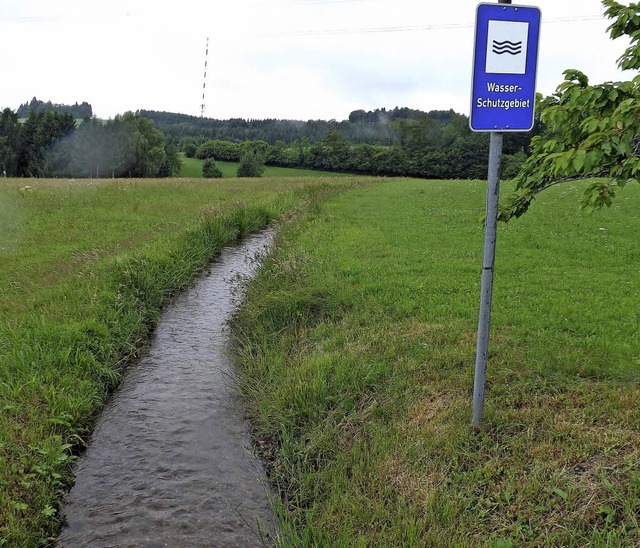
356,346
192,167
85,269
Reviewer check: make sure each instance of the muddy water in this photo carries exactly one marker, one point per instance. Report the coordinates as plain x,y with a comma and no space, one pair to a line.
169,463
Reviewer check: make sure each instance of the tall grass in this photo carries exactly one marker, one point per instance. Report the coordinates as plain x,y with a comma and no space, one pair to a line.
85,271
356,345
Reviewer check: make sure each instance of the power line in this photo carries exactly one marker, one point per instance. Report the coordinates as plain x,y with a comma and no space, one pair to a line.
369,30
423,28
30,19
574,19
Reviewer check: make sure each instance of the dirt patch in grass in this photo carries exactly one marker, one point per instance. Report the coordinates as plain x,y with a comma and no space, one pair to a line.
417,487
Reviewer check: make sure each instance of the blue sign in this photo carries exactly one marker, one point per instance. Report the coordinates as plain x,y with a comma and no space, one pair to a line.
504,67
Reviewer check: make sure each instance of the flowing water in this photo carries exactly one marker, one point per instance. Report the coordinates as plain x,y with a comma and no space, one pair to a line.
169,462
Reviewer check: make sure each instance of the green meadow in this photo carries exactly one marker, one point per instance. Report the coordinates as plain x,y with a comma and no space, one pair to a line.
192,167
356,351
85,270
356,346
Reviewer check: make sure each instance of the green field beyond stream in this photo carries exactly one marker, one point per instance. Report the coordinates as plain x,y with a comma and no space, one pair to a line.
357,348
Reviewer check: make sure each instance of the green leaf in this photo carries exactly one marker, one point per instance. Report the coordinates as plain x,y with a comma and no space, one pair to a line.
593,159
609,513
48,511
590,124
624,148
626,105
579,159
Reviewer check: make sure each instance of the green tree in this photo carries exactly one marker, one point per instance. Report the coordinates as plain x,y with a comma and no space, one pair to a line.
93,151
127,146
420,135
251,165
37,136
190,150
172,163
261,148
277,153
222,150
83,111
9,141
303,150
592,130
210,170
145,147
512,164
188,146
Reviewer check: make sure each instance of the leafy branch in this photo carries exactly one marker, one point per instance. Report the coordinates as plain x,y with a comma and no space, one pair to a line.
592,130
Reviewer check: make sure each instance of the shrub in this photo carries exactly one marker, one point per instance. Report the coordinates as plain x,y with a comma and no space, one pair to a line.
251,165
210,170
190,150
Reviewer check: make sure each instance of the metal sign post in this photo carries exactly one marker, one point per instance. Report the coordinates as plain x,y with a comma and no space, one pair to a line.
486,282
502,99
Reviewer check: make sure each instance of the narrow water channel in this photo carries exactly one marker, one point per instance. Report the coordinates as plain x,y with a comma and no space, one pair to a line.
169,462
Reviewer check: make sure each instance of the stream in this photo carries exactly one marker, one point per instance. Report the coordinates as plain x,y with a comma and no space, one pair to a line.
170,460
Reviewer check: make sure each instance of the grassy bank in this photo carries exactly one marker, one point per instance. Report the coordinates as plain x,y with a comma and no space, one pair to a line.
357,345
192,167
85,269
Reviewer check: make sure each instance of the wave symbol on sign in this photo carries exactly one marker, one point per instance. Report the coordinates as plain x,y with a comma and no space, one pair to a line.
512,48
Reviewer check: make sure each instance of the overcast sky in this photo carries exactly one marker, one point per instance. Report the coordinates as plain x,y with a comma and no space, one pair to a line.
293,59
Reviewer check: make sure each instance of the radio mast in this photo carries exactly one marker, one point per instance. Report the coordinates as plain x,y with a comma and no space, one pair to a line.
204,82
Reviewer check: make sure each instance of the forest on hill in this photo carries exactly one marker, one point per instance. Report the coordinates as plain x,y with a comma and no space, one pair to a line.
42,139
376,127
402,141
82,111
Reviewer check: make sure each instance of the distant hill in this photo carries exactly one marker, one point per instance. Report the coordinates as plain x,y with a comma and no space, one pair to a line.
83,110
376,127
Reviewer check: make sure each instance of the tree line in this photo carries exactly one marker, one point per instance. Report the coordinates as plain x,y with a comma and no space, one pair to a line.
376,127
582,130
83,111
401,141
50,144
427,148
